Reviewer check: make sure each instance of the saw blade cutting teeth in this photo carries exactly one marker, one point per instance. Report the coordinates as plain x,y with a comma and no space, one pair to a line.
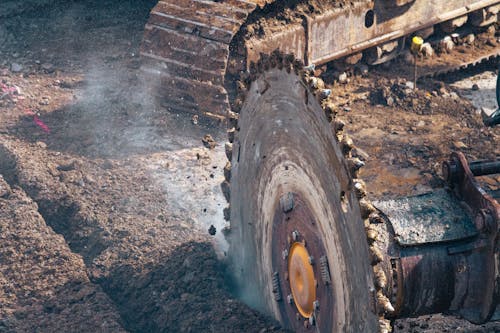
270,155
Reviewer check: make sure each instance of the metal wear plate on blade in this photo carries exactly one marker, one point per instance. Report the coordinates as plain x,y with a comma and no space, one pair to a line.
428,218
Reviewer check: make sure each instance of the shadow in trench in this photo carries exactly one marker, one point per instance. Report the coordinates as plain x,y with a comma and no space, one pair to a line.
186,293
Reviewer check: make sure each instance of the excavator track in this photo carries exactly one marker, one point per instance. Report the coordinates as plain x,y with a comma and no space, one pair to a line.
194,52
469,48
187,44
488,58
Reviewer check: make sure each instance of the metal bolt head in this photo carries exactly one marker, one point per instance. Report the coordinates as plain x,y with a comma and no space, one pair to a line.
284,254
316,305
289,299
286,202
295,235
484,221
479,222
311,260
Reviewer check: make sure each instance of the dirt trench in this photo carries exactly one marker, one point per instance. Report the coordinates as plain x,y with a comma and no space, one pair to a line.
157,274
43,284
127,194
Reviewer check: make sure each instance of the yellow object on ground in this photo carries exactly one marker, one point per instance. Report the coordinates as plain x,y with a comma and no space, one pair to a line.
416,44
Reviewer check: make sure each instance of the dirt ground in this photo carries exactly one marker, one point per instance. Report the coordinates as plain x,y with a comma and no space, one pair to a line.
106,198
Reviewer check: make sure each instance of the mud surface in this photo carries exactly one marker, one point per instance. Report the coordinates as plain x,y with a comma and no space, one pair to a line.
106,199
410,133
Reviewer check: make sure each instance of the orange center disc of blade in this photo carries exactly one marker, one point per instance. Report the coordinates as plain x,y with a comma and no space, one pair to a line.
302,281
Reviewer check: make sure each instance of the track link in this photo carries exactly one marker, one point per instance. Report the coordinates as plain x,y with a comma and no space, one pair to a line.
188,44
194,51
491,57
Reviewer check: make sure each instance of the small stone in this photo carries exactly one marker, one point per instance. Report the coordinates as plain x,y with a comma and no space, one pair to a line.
491,30
389,101
18,90
194,119
4,188
427,50
15,67
67,166
410,84
446,44
212,230
469,39
408,92
208,141
48,67
88,179
343,78
455,38
41,144
424,325
459,145
421,123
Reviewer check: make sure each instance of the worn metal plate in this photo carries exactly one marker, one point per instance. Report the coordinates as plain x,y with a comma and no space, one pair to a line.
428,218
337,33
290,40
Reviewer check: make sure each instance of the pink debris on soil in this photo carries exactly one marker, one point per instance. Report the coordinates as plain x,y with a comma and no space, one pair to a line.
41,124
37,121
6,91
10,91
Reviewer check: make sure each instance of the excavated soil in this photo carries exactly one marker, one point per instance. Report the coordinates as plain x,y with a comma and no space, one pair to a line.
106,199
407,134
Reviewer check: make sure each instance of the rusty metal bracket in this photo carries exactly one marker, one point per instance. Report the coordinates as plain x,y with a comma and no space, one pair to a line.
483,254
460,176
446,263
